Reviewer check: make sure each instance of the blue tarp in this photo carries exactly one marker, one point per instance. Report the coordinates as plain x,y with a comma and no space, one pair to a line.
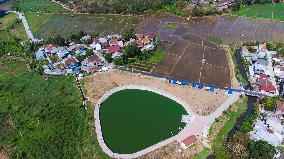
184,83
212,89
200,87
173,81
230,91
193,84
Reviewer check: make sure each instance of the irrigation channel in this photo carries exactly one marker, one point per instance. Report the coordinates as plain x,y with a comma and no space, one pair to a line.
251,99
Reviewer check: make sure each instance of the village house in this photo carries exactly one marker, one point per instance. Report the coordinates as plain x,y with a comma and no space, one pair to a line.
188,141
270,130
72,65
91,64
40,54
224,4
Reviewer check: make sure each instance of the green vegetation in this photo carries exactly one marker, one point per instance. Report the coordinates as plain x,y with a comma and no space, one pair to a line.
247,125
267,11
216,40
35,118
46,6
13,48
171,26
261,149
240,146
218,147
269,104
37,20
11,28
133,120
232,49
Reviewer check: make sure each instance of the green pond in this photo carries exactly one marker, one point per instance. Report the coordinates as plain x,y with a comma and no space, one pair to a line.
133,120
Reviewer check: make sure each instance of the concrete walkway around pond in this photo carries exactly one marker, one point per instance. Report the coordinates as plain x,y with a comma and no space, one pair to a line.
199,126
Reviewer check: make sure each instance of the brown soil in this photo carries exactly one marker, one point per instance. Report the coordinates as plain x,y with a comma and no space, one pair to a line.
200,101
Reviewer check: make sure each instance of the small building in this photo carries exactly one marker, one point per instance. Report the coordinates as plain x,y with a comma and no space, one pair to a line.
188,141
86,37
91,63
113,49
40,54
224,4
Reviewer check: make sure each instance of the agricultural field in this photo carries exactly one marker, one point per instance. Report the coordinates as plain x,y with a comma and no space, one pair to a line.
68,24
45,6
11,27
267,11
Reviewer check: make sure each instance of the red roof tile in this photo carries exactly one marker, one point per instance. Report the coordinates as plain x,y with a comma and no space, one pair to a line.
189,140
94,58
70,60
263,76
113,49
270,88
139,43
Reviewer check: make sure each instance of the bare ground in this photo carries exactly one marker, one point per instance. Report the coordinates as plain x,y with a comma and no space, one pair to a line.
200,101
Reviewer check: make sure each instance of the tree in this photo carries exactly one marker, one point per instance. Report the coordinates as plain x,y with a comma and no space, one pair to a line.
108,58
129,34
131,52
238,144
57,40
89,52
269,104
261,150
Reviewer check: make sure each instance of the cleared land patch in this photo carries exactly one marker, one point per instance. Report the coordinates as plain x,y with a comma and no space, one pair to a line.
98,85
133,120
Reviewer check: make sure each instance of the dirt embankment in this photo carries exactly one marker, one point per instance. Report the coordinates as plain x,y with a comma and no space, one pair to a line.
200,101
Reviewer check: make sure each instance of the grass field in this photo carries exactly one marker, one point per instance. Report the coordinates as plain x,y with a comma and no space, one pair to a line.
46,6
37,20
263,11
133,120
67,24
11,27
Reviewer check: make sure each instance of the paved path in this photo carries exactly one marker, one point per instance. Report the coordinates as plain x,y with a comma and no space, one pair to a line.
26,25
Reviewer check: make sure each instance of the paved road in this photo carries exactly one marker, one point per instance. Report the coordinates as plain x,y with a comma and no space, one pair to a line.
26,25
242,91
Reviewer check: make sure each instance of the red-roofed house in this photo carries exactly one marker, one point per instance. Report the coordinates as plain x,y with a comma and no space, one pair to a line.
113,42
69,61
146,40
91,64
49,47
95,41
269,89
152,36
139,43
188,141
113,49
139,36
263,76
